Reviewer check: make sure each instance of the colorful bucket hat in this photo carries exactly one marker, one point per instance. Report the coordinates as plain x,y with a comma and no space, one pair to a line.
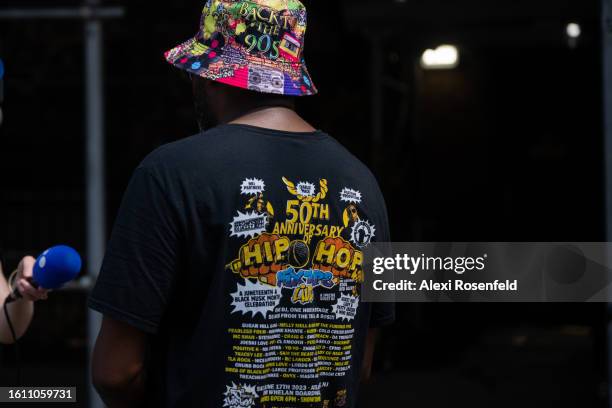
250,44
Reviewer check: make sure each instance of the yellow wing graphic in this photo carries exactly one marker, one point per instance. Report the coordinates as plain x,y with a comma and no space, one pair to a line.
290,187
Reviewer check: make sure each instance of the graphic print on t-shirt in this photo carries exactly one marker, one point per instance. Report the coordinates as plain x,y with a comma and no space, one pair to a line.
298,274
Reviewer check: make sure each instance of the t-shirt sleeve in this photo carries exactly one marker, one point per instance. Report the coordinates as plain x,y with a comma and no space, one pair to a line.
141,261
383,314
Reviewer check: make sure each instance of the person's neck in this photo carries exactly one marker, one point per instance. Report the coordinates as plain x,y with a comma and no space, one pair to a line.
275,118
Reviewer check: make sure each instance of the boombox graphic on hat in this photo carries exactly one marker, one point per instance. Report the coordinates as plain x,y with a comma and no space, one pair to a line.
256,45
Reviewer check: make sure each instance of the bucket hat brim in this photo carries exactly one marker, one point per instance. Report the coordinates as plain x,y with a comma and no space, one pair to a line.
228,65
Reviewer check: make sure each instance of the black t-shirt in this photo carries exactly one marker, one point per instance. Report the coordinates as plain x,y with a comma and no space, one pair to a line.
240,250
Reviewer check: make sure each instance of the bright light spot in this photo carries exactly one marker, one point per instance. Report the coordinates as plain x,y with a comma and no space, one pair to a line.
443,57
574,30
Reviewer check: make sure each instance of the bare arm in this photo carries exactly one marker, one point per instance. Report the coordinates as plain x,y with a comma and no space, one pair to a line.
21,311
118,364
368,358
4,290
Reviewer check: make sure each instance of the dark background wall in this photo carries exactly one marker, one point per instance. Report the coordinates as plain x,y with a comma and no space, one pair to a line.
507,147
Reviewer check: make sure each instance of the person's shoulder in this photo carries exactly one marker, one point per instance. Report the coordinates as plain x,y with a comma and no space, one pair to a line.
350,161
357,169
196,149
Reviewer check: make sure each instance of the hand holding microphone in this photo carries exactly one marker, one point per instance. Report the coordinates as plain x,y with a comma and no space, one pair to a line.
31,281
53,268
21,281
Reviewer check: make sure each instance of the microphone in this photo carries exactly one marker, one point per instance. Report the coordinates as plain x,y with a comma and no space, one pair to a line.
53,268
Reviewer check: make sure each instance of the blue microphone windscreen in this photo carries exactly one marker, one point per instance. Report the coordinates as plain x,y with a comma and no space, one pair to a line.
57,266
